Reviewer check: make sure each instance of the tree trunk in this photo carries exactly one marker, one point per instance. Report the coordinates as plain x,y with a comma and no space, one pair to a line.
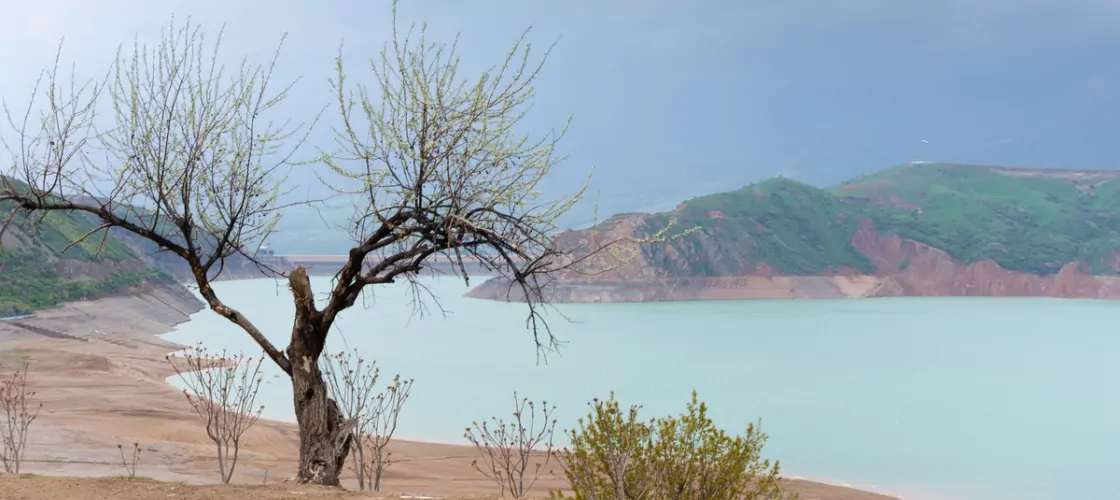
324,436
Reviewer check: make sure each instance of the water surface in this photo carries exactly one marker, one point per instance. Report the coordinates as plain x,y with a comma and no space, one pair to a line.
964,398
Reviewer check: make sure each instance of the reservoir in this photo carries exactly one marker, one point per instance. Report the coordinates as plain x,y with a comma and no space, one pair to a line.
928,398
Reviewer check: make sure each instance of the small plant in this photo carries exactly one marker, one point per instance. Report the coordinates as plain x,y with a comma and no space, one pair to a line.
382,425
616,456
130,465
222,390
19,413
507,449
352,383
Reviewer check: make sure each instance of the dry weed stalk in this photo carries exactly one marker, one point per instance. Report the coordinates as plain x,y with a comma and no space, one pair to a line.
19,414
130,467
222,390
507,449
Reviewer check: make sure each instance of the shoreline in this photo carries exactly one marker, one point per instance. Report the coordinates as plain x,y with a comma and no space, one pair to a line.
884,495
101,390
699,288
467,449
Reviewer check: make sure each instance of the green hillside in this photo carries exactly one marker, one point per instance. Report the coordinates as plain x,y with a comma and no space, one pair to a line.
40,271
795,228
1026,220
1031,221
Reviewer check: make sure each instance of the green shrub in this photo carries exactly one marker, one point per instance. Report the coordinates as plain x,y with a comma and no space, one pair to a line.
616,455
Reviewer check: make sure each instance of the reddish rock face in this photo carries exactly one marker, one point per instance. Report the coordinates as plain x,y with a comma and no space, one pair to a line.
931,272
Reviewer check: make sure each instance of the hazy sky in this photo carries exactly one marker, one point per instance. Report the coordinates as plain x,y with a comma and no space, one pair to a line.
673,99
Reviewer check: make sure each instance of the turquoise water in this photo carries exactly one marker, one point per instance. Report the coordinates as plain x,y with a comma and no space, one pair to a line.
939,398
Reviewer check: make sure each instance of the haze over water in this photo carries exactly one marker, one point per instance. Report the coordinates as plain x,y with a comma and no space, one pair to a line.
940,398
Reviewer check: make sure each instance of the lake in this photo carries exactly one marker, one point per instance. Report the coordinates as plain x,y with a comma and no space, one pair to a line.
930,398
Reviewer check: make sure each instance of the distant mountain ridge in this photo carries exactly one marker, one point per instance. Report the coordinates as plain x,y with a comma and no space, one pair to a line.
917,229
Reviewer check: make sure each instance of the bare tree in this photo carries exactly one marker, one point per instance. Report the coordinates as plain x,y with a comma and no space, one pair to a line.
507,449
191,161
352,384
19,413
381,426
222,390
372,415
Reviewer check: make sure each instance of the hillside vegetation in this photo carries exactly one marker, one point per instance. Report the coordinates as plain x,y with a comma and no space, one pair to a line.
41,269
1032,221
794,228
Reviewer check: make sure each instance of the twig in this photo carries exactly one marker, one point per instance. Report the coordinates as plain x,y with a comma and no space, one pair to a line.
19,414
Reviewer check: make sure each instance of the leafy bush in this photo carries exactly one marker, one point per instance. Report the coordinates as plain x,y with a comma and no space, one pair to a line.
616,455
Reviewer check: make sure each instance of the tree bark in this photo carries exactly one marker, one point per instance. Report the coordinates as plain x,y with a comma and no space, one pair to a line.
324,436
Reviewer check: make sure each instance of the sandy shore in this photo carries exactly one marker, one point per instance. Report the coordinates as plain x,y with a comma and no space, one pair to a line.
101,390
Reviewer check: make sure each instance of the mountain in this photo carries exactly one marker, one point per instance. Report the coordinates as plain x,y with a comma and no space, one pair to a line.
919,229
40,268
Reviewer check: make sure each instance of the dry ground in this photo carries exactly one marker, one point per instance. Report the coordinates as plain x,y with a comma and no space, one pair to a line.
33,487
101,390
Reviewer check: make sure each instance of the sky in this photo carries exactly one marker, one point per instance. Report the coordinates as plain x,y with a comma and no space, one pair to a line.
673,99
